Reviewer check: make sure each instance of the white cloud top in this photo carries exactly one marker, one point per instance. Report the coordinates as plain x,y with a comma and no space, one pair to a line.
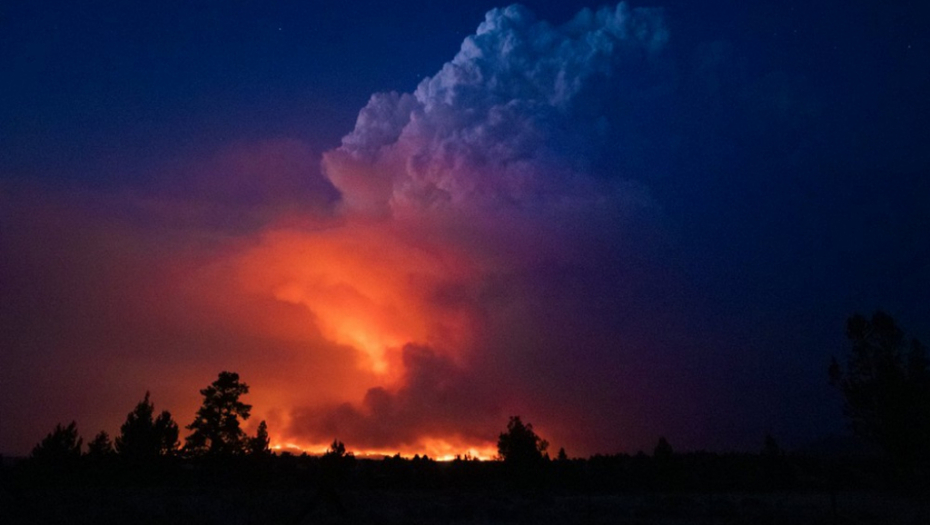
517,118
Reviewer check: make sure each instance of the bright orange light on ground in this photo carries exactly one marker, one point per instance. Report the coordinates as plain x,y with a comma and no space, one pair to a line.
440,449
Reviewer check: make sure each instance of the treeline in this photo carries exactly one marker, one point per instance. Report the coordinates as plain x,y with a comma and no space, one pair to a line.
147,454
147,439
340,488
336,471
885,383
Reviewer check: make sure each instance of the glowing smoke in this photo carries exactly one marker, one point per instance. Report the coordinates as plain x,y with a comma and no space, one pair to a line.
490,251
517,161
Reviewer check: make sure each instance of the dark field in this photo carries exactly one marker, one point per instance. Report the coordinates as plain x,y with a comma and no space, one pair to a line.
272,506
690,488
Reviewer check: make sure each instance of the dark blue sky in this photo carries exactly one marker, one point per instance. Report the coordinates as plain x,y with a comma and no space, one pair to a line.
782,145
101,80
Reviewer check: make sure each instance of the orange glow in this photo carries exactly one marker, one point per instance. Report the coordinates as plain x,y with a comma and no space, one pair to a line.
440,449
313,311
360,286
344,301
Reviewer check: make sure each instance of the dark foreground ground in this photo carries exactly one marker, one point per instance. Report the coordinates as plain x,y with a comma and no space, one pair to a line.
691,488
140,505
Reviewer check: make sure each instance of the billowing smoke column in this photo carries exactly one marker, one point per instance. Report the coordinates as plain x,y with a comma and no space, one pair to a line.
525,115
517,175
490,249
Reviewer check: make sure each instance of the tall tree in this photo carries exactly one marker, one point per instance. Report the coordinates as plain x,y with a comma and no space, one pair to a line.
60,446
258,445
886,388
520,445
144,436
216,428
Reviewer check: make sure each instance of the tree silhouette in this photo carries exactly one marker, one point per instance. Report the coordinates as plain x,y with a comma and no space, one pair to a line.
886,388
776,471
335,466
258,445
519,445
61,445
663,450
144,437
336,451
216,428
100,446
770,448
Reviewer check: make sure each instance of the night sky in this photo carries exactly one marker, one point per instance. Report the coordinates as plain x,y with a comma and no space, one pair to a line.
402,222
